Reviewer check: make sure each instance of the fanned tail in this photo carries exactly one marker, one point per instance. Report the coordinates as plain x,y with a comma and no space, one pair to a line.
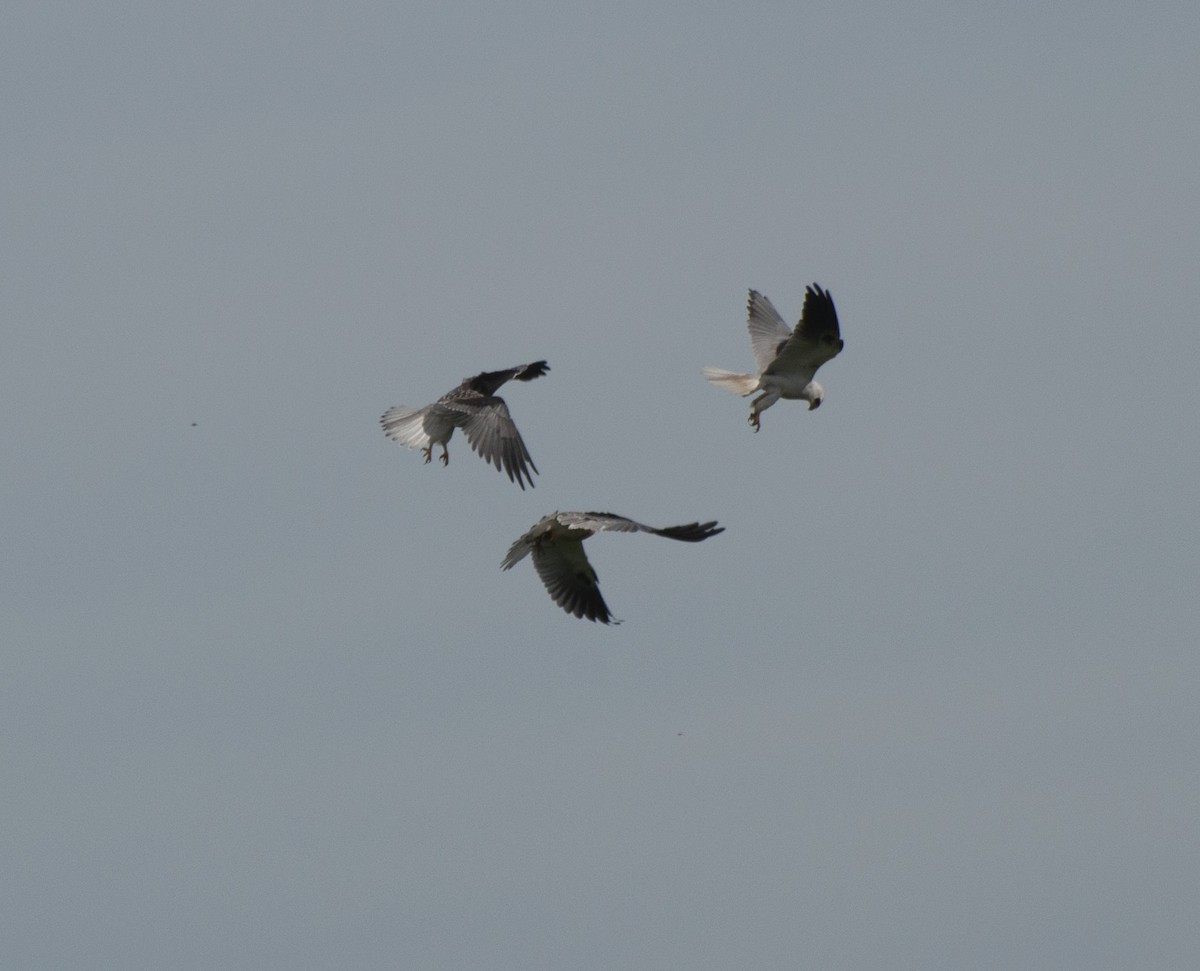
406,426
734,381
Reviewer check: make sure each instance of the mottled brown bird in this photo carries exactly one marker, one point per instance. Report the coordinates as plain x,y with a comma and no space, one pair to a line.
483,417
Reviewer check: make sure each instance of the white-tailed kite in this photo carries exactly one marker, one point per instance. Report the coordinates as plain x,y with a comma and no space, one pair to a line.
556,542
786,359
484,418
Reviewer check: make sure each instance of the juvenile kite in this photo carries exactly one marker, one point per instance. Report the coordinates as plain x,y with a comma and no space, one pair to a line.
786,359
556,543
484,418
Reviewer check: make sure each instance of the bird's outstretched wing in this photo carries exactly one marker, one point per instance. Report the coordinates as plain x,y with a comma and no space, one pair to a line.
816,339
489,382
606,521
768,332
570,579
492,433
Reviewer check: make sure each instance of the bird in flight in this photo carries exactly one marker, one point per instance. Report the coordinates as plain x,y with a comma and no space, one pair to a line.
483,417
786,359
556,542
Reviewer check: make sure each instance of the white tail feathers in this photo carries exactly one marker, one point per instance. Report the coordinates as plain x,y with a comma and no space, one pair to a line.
406,426
734,381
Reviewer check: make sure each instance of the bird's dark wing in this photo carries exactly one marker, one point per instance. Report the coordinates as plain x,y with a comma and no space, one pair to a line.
819,319
492,433
689,532
570,579
816,339
489,382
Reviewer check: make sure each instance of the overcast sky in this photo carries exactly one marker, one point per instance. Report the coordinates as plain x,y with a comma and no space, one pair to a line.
266,698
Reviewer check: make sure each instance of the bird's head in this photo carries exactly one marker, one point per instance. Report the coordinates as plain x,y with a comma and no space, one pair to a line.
814,394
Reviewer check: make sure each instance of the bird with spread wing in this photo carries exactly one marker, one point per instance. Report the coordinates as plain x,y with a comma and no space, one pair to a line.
787,360
474,407
556,542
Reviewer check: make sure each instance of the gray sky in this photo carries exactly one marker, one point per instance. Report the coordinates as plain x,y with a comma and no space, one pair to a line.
267,700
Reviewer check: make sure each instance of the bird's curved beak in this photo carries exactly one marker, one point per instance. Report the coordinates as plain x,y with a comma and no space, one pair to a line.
814,404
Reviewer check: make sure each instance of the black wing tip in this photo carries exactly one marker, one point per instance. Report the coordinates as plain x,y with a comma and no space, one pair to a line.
823,307
596,613
692,532
505,464
528,475
519,474
488,382
583,606
530,371
817,293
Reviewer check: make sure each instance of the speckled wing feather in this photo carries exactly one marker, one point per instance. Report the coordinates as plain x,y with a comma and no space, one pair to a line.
491,432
